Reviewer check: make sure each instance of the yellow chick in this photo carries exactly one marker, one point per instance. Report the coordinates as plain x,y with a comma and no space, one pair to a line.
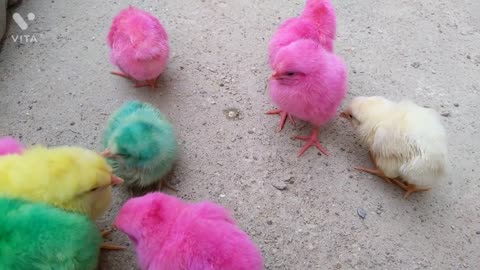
71,178
407,142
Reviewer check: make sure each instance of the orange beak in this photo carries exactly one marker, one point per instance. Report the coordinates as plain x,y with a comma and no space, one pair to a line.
107,154
116,180
344,115
274,76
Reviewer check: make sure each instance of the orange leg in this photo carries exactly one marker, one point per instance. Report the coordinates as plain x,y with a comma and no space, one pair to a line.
284,116
152,83
311,140
121,74
376,172
108,246
409,188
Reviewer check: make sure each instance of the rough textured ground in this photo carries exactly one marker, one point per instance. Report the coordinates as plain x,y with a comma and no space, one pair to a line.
58,91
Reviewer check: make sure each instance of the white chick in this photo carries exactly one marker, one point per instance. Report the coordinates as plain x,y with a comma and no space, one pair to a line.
407,142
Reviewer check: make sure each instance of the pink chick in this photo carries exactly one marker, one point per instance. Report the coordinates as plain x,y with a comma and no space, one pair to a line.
9,145
171,234
317,22
309,83
138,46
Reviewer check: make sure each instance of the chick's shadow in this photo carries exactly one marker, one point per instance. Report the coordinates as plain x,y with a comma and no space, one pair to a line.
136,191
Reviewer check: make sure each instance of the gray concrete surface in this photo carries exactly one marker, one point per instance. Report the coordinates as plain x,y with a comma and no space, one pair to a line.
58,91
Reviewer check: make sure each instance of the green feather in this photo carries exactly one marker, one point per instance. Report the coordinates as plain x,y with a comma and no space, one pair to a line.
144,141
36,236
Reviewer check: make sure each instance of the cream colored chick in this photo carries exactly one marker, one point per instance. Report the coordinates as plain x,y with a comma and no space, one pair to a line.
407,142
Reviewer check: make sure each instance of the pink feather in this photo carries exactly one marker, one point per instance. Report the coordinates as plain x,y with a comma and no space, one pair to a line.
304,46
138,44
10,146
171,234
315,93
317,22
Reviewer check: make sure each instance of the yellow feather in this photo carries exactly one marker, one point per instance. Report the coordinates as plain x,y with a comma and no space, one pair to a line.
61,176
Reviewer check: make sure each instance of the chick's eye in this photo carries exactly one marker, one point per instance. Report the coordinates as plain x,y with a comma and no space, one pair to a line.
290,74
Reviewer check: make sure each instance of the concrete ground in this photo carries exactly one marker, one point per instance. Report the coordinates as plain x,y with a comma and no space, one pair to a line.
301,212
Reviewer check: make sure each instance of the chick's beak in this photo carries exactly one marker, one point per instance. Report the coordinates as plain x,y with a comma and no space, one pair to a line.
116,180
274,76
347,114
107,154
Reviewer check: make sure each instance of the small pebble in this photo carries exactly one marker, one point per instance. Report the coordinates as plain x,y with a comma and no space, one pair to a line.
416,64
72,123
445,114
269,222
456,104
280,186
361,213
478,232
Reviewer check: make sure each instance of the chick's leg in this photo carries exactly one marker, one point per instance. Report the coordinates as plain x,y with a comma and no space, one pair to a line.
376,172
283,120
151,83
109,246
409,188
311,140
121,74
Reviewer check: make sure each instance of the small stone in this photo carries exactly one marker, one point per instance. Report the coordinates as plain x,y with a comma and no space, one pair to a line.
361,213
445,114
269,222
456,105
222,85
477,232
222,195
251,131
280,186
39,128
416,64
72,123
232,114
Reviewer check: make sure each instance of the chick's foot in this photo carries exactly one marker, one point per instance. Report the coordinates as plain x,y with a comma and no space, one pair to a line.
311,140
151,83
409,188
109,246
283,120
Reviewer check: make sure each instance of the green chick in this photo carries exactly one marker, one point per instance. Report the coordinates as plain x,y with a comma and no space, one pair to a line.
36,236
140,145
